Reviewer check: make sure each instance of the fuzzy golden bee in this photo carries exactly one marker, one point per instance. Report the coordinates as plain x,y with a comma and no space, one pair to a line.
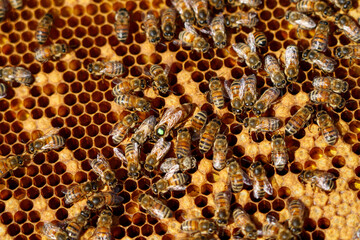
292,63
12,163
158,152
160,79
168,25
261,183
191,38
109,68
154,206
321,96
237,176
53,232
144,130
78,192
128,85
198,121
178,164
216,94
331,83
183,143
54,51
102,168
246,225
297,210
122,24
170,182
345,5
250,93
201,11
248,3
121,129
262,124
43,28
131,159
300,19
217,31
101,199
3,90
199,225
217,4
266,100
17,4
236,92
348,26
279,153
222,200
17,74
150,26
132,102
347,52
299,120
321,38
103,226
325,63
274,230
46,143
327,127
220,150
247,53
76,225
186,13
207,138
319,7
239,18
172,118
318,178
3,9
272,67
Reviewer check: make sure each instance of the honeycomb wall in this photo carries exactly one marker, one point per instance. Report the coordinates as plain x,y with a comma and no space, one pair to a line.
67,97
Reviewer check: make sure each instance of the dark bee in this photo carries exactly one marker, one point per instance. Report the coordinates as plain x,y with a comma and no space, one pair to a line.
185,11
201,11
274,230
262,124
246,225
201,225
249,19
300,19
272,67
133,102
154,206
43,29
300,118
208,136
330,83
17,74
325,63
319,178
292,63
309,6
76,225
198,121
348,26
297,211
127,85
78,192
101,199
320,39
12,163
321,96
216,92
102,168
279,153
46,143
54,51
261,183
168,26
327,127
151,29
267,99
260,39
347,52
121,24
110,68
3,90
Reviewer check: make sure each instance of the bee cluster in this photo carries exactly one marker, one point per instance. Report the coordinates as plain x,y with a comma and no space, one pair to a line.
164,147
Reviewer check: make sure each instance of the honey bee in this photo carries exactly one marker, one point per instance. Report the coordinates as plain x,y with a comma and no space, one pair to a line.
330,83
272,67
43,28
17,74
248,3
208,136
260,39
300,118
356,234
274,230
199,225
198,121
250,94
154,206
236,93
197,236
327,127
101,199
102,168
176,164
78,192
122,24
300,19
183,143
3,90
321,96
279,153
261,183
237,176
348,26
309,6
297,211
133,102
168,26
151,29
144,130
46,143
217,4
131,159
185,11
216,92
102,230
127,85
319,178
171,118
222,200
292,63
217,31
248,53
17,4
343,4
347,52
325,63
158,152
320,39
12,163
110,68
191,38
262,124
243,221
201,11
76,225
220,150
267,99
54,51
3,9
171,181
160,79
239,18
121,129
54,232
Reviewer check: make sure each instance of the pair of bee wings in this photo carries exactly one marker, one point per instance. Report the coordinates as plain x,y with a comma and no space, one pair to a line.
291,55
305,21
228,83
267,187
117,129
146,127
213,23
159,151
121,155
50,230
246,179
250,42
99,161
157,211
74,196
20,72
171,116
263,125
323,178
327,63
271,220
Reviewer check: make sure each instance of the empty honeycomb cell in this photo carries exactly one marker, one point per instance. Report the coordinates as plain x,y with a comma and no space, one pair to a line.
316,153
25,182
34,216
208,212
20,217
5,150
6,218
33,193
39,181
10,138
54,203
47,192
147,230
309,225
13,229
250,208
26,205
12,183
178,194
27,229
161,228
19,194
61,214
318,235
264,206
20,237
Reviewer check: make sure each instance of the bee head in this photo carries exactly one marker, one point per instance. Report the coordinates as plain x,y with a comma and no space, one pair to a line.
149,164
212,228
154,188
347,5
285,235
202,16
90,204
90,68
328,11
305,54
254,62
87,188
31,147
295,225
49,15
143,199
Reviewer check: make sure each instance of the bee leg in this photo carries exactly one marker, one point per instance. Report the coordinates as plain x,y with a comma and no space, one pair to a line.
313,186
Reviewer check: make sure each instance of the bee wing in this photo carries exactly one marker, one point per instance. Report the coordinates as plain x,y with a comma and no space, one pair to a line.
246,177
268,187
190,28
177,188
227,85
251,42
95,162
166,69
117,81
171,117
49,230
242,87
115,129
163,151
271,219
120,155
168,166
256,188
323,179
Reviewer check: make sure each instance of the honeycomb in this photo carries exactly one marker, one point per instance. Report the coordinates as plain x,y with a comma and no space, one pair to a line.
67,97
